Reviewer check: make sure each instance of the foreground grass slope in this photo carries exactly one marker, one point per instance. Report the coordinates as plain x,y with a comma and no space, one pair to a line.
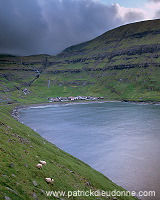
22,148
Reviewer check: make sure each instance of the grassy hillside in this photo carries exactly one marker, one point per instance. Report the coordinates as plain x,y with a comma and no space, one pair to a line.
22,148
121,64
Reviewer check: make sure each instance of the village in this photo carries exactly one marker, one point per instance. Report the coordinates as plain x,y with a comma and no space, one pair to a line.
89,98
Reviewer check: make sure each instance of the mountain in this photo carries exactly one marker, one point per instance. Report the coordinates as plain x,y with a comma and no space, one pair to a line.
121,64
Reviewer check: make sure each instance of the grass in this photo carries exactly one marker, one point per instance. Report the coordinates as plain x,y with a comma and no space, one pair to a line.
22,148
135,84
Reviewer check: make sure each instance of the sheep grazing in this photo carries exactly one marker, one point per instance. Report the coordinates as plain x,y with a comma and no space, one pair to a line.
49,180
42,162
39,166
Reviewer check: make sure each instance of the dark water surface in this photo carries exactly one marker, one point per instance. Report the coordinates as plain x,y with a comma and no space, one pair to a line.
121,140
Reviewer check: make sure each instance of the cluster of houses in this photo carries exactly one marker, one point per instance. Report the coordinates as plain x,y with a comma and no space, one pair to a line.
57,99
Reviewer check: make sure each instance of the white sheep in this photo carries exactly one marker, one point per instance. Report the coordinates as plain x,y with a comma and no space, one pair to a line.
39,166
49,180
42,162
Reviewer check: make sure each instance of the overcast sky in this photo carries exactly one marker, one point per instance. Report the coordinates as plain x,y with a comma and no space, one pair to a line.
30,27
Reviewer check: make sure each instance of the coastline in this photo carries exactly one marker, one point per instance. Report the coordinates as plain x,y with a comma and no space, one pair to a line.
143,102
15,111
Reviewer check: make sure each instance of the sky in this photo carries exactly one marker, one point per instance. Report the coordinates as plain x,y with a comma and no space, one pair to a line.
29,27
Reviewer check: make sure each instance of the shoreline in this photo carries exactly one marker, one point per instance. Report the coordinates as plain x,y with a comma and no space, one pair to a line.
88,101
15,111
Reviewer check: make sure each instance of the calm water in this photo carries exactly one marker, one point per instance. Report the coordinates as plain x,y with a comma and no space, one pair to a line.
121,140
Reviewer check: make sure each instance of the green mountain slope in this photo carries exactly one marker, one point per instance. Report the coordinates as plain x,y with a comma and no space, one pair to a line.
121,64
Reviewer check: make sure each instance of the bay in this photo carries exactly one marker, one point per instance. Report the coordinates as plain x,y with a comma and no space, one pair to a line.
121,140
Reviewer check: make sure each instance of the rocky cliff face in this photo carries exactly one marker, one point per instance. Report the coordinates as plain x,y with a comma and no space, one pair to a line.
120,46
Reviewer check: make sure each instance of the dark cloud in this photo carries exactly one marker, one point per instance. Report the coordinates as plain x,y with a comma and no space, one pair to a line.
21,26
49,26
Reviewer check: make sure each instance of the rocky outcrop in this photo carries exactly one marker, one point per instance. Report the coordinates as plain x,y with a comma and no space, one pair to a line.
137,39
131,51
